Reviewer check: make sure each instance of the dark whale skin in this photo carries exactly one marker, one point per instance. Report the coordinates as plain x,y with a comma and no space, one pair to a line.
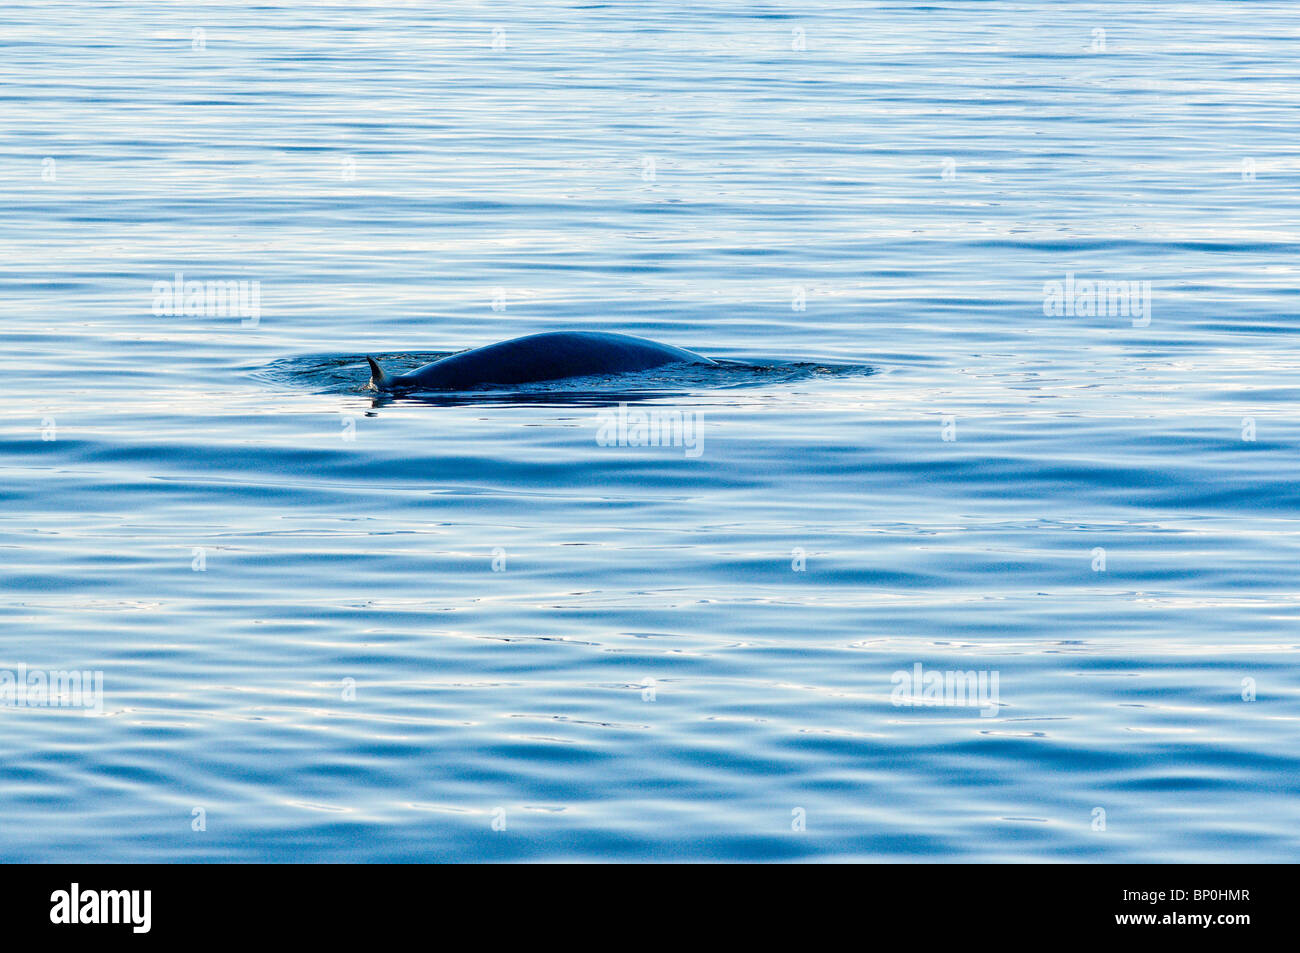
552,355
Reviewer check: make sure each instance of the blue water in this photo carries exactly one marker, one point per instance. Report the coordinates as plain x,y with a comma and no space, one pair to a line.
332,627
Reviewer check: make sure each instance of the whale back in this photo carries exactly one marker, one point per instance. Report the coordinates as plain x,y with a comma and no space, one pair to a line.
552,355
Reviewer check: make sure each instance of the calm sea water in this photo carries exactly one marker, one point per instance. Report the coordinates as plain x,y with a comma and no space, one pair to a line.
331,628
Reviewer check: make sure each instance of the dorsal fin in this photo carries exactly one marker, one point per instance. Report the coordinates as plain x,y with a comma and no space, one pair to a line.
378,379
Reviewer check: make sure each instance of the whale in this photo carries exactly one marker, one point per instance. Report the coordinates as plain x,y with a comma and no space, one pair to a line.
549,356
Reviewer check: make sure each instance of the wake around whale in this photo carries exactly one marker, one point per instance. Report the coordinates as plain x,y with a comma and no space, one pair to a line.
550,356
